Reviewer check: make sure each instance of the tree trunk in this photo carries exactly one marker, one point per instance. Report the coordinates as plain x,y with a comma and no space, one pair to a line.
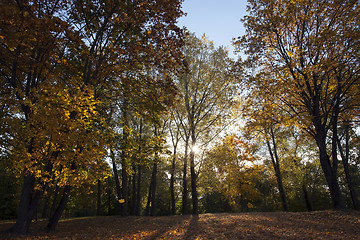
133,193
185,187
345,160
54,219
45,207
153,190
330,172
24,217
172,180
330,176
109,197
124,154
124,186
275,161
53,205
138,193
29,202
137,207
98,208
117,183
307,199
175,140
242,203
193,184
147,208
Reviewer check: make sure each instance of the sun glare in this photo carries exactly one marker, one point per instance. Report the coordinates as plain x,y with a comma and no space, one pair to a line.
195,149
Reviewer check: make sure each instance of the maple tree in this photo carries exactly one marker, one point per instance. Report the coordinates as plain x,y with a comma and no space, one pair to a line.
294,43
61,62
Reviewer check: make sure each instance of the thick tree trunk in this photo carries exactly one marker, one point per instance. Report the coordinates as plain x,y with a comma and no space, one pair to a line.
276,165
330,176
29,202
330,171
54,219
24,217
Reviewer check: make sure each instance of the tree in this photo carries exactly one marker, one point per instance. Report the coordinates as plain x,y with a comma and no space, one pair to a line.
234,162
266,123
61,61
207,91
174,130
294,42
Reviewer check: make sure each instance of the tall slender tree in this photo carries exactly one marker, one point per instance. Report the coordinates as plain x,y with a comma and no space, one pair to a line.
207,92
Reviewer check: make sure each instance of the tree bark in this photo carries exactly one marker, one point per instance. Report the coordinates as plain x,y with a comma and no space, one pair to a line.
117,183
138,194
330,176
124,154
193,175
153,190
276,165
345,160
53,205
147,208
54,219
24,218
98,208
307,199
172,180
133,192
45,207
185,187
139,168
124,190
29,202
175,140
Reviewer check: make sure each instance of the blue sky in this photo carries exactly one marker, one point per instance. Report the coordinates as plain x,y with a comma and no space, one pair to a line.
218,19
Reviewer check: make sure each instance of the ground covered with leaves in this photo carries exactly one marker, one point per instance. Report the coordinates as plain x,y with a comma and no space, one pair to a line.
279,225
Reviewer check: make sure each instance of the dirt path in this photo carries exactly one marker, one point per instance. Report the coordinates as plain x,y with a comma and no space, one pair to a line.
313,225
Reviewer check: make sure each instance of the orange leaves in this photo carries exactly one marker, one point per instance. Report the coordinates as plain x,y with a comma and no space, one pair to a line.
234,163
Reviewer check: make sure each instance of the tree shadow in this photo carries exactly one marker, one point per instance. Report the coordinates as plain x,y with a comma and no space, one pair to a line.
193,228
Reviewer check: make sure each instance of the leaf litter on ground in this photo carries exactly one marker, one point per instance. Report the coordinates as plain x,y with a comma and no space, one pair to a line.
268,225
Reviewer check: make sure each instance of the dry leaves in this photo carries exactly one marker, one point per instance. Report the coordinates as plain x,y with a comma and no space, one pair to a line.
312,225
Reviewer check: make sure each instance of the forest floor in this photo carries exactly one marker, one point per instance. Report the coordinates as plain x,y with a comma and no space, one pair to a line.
274,225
